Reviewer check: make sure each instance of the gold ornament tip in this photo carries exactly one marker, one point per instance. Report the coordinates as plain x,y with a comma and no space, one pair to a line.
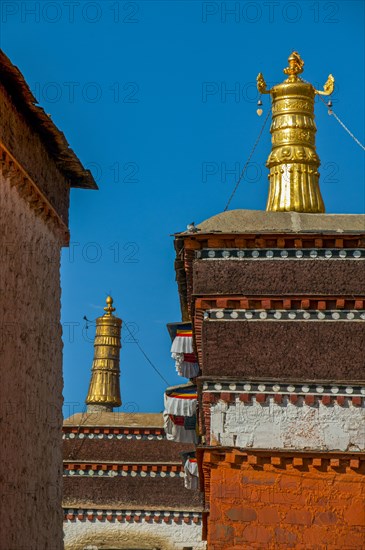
109,309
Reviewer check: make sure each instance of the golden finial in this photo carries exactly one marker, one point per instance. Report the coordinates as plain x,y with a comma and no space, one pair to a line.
293,161
109,309
104,390
296,65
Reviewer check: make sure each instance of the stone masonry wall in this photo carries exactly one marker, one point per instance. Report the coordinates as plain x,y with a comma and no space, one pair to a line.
286,425
30,378
279,277
284,506
300,349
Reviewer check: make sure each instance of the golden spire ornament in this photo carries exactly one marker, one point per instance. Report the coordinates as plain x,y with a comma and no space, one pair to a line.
293,161
104,389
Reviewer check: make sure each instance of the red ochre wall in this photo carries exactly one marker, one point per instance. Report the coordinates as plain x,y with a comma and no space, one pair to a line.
285,506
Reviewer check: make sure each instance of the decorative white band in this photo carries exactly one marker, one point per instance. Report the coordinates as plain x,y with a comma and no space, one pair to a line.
272,387
280,254
71,514
284,315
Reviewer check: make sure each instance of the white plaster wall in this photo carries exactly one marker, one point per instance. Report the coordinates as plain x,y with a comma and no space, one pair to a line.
288,426
143,535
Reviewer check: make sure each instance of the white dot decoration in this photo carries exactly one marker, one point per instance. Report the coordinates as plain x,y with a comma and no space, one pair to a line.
328,254
138,437
240,254
255,253
181,474
263,315
362,391
362,315
313,254
72,436
120,436
232,387
91,436
133,473
292,315
153,474
143,474
219,314
100,436
234,314
81,436
199,254
81,472
247,387
356,254
335,389
299,254
218,387
291,388
71,472
335,315
320,389
284,254
226,254
342,254
100,472
261,387
211,254
163,474
349,389
150,437
277,315
248,315
124,473
205,386
306,315
269,254
321,315
350,315
276,387
91,472
172,474
110,436
305,389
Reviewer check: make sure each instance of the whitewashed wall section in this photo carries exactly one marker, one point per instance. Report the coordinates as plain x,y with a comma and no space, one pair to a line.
81,534
286,425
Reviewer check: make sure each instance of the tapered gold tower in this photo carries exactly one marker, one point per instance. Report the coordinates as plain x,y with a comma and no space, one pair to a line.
293,161
104,389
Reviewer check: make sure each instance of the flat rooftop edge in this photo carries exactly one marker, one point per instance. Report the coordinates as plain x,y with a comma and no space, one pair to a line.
115,420
260,221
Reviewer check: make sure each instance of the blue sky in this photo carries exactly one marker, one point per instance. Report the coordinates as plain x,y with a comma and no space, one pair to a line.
143,92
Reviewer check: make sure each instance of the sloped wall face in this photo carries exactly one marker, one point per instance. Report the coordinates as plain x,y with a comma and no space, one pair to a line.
286,506
30,378
27,148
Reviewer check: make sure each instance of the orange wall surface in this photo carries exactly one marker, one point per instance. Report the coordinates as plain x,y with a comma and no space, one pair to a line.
264,506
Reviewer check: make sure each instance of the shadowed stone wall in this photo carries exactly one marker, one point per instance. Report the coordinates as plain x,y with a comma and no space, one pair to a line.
30,378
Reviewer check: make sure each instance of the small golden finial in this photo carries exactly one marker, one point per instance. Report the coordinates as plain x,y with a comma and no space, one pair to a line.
104,390
109,309
296,65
